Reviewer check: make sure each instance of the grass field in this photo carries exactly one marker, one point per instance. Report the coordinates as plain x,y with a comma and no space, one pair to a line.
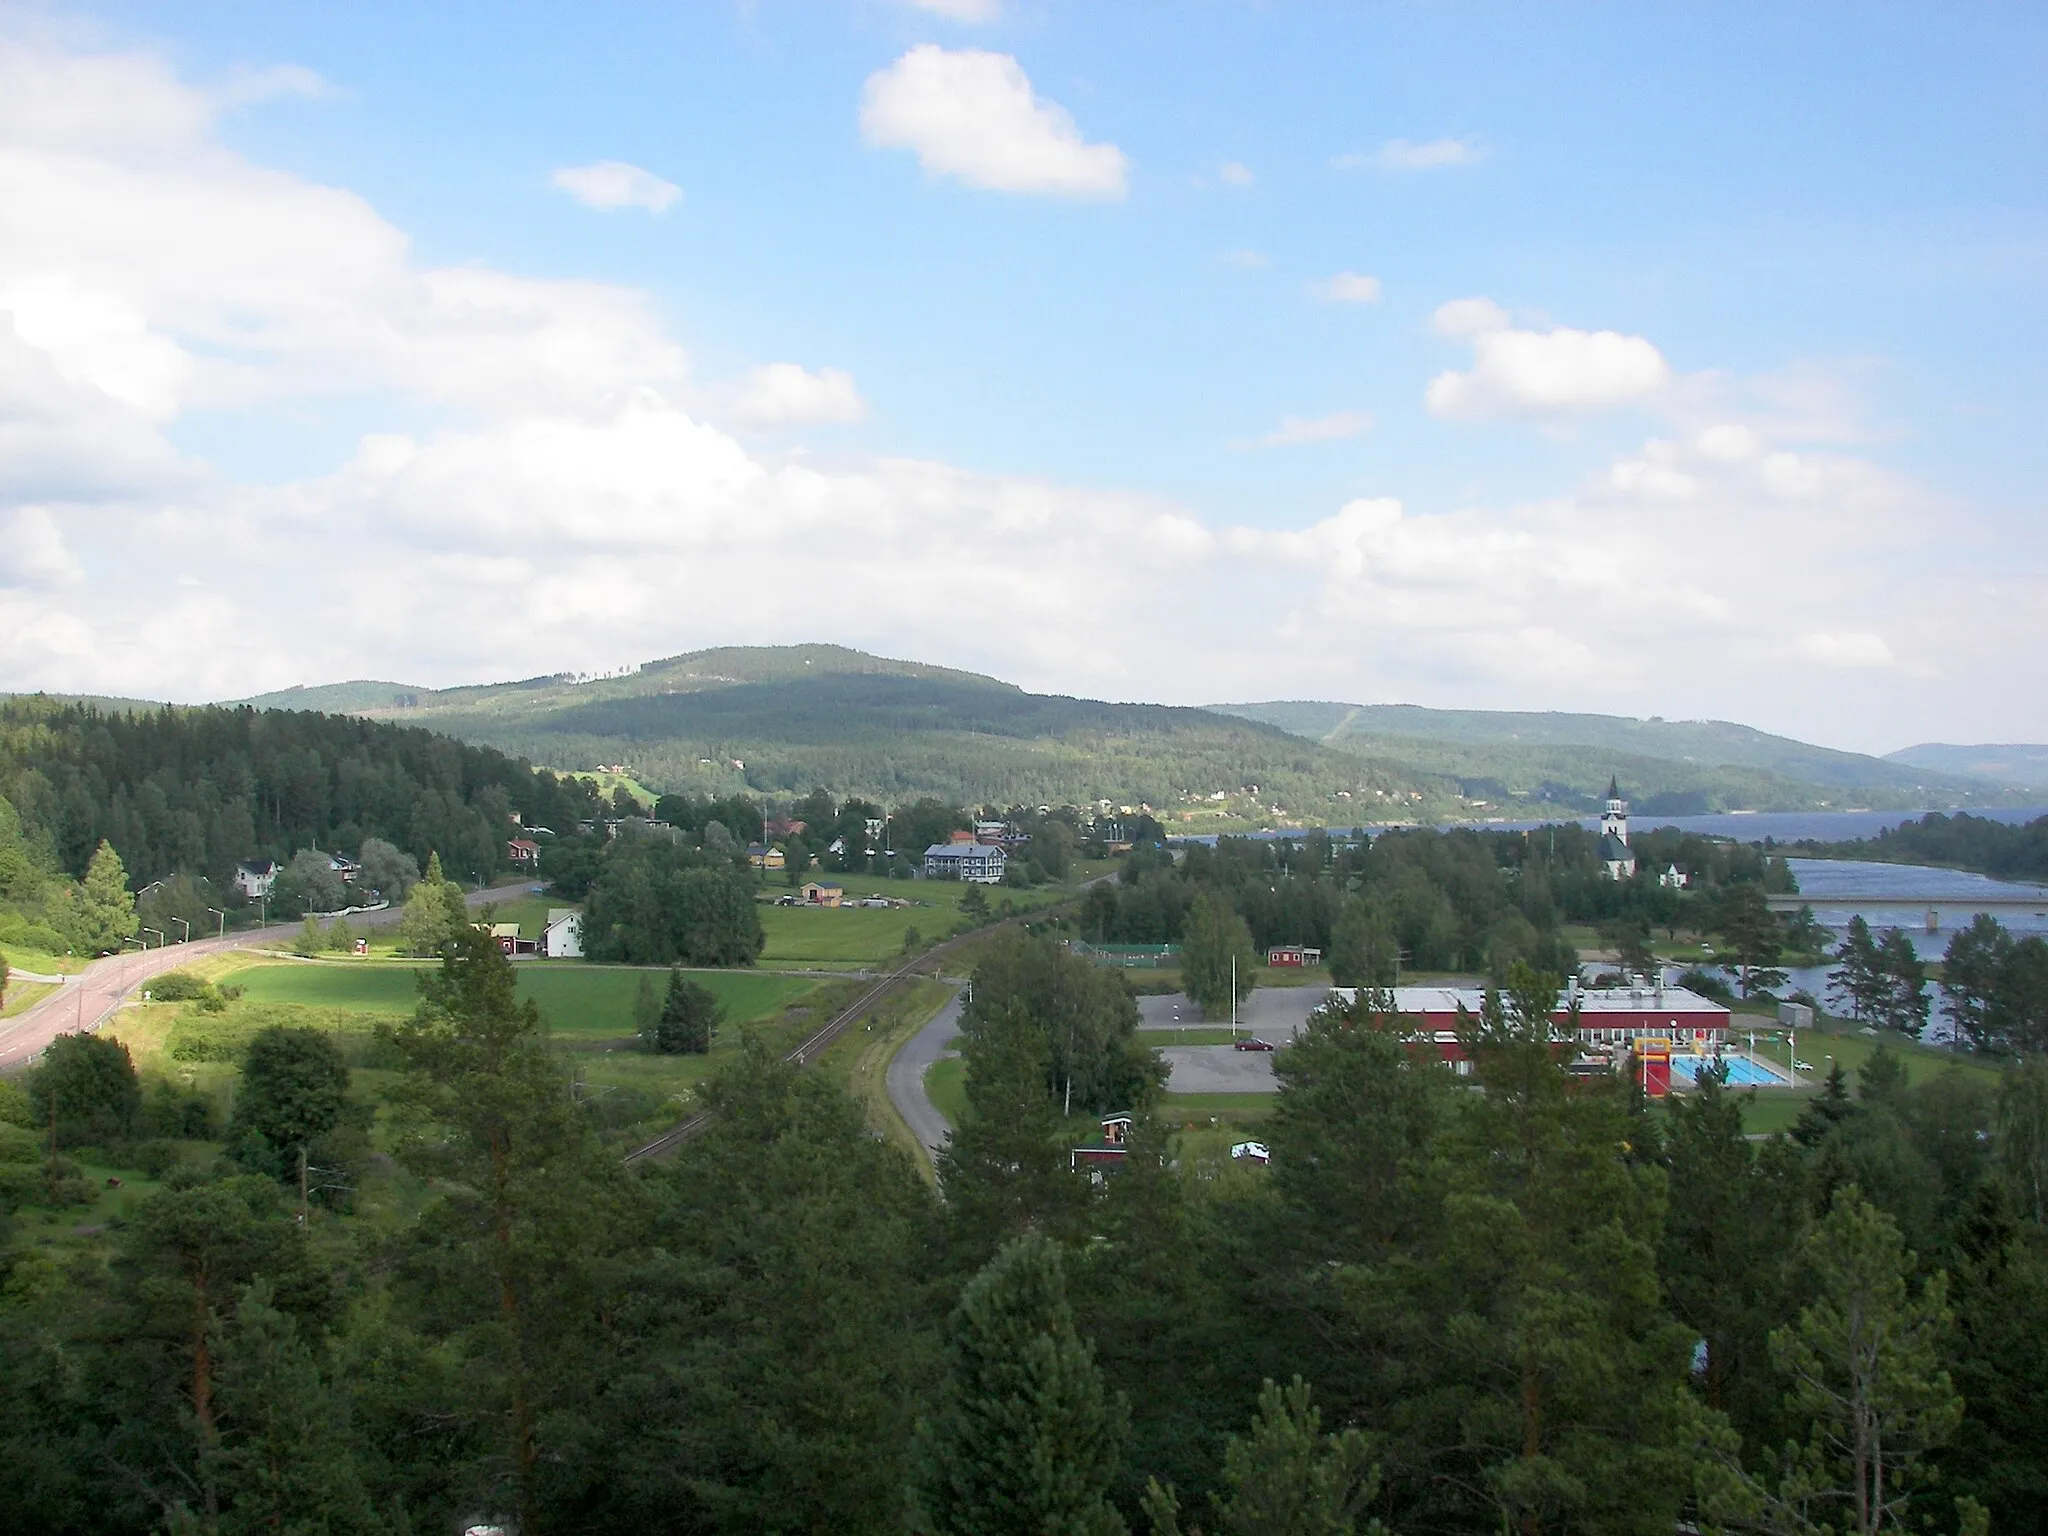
945,1084
23,995
843,937
576,1000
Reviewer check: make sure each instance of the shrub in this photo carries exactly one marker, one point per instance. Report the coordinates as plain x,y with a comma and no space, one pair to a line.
19,1145
179,987
154,1158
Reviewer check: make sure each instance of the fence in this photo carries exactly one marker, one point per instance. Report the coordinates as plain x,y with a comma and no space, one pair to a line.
1129,957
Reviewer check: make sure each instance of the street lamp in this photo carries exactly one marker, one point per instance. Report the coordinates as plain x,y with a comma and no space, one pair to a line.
159,936
216,912
184,925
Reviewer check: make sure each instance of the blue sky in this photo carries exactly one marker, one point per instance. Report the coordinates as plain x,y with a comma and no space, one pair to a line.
1131,321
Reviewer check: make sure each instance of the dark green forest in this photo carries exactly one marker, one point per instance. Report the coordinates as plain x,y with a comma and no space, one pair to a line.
1961,841
1538,1307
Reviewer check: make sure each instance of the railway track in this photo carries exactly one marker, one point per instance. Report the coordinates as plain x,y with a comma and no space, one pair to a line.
806,1050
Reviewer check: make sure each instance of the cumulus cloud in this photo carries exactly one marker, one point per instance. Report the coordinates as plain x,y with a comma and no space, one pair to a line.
1404,155
1540,373
569,506
609,185
1347,288
248,85
786,394
973,116
1294,430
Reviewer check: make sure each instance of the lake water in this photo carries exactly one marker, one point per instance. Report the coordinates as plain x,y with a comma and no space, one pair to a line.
1743,826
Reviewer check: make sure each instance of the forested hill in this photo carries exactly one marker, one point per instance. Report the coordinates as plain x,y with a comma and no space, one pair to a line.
196,790
1666,766
789,719
2018,763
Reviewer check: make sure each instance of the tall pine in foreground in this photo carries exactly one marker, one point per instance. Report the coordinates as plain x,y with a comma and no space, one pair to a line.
1025,1438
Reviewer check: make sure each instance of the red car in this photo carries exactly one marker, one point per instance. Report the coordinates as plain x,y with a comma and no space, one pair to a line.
1252,1043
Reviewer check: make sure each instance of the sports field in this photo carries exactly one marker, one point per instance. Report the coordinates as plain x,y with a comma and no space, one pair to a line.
576,1000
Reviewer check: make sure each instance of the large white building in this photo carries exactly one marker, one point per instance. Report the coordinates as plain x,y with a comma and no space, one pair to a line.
1614,850
980,862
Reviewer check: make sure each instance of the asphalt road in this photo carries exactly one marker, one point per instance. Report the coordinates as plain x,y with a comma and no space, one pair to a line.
88,999
905,1077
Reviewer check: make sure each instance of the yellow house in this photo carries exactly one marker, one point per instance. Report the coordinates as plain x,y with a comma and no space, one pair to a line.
763,857
818,894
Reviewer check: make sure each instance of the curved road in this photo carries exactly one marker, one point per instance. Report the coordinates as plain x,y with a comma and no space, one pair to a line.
85,1001
905,1078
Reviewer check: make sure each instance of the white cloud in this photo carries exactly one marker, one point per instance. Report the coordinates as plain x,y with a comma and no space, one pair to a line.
608,185
785,394
1294,430
1856,648
32,552
1540,373
1403,155
1235,173
1249,260
1347,288
972,115
569,507
974,12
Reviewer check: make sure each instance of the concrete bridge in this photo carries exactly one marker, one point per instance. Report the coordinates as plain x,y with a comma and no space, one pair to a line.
1929,913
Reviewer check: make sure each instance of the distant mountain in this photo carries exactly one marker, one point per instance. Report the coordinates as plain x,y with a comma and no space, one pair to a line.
2018,764
1668,766
786,719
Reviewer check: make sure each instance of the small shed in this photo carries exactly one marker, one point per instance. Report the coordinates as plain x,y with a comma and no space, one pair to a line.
819,893
1297,955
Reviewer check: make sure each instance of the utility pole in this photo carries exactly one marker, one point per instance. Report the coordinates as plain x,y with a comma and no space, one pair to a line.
1233,997
303,1196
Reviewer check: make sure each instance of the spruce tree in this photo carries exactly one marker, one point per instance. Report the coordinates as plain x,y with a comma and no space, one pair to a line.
687,1020
103,909
1286,1478
1025,1438
1905,984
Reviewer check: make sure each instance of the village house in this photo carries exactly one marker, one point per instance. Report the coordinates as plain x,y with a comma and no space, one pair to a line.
818,893
523,851
981,863
255,877
562,938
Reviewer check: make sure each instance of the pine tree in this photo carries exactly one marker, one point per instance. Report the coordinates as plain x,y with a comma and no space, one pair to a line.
1025,1438
1904,1006
1005,1171
284,1459
1286,1478
1865,1360
1857,981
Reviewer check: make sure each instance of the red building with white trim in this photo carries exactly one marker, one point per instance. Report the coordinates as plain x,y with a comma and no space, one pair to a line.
1616,1019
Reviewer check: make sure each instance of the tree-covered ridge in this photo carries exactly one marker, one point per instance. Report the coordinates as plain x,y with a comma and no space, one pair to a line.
194,791
1707,742
1512,1300
1961,841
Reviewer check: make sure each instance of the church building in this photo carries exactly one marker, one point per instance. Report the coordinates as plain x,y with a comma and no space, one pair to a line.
1614,849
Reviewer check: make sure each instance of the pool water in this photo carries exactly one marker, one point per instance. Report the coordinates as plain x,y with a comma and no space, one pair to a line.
1742,1072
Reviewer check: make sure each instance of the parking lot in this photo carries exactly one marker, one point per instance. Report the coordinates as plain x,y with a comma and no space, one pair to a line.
1273,1014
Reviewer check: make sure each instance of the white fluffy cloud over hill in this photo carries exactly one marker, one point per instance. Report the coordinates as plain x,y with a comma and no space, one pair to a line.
556,491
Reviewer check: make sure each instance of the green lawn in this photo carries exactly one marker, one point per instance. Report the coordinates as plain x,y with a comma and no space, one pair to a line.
829,937
23,995
1238,1108
576,1000
945,1083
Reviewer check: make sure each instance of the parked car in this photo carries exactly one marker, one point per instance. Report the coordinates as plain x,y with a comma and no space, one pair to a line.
1253,1043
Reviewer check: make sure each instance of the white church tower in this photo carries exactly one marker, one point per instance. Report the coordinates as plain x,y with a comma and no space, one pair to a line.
1614,849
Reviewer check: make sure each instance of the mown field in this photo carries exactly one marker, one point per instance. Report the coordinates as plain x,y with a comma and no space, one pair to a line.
589,1001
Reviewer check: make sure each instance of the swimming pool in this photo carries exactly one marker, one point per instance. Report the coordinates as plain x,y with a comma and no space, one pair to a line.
1742,1071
